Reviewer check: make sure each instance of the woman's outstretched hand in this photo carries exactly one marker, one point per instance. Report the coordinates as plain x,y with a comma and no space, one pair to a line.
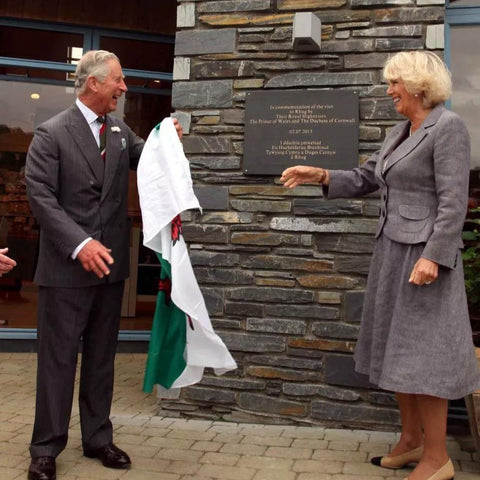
293,176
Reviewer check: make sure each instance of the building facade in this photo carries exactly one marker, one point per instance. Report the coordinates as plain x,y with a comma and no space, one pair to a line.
283,272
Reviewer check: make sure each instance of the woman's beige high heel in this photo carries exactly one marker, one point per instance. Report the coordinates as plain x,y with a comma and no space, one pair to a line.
447,472
399,461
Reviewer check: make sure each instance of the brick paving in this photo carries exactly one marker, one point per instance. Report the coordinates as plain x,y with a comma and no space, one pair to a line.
164,448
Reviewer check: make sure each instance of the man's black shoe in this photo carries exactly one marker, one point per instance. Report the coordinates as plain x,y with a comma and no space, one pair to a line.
110,455
42,468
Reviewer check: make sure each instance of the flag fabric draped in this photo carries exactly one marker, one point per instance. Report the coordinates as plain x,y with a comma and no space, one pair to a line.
182,341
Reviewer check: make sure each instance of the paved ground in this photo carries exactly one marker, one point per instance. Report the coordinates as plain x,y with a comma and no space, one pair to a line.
173,449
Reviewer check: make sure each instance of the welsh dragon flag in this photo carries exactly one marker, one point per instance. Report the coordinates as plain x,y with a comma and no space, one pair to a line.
182,340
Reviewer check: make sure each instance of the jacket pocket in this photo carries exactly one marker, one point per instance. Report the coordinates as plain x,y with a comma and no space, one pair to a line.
414,212
412,219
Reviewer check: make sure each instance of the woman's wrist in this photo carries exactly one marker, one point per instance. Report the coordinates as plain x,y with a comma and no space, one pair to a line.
323,176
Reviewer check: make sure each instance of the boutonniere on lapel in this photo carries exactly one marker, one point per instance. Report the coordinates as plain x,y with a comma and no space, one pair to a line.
124,144
115,129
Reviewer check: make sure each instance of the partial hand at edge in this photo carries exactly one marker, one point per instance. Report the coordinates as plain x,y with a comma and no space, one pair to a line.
178,127
293,176
6,263
424,272
94,257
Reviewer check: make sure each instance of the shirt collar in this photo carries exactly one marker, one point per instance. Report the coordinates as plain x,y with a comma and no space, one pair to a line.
90,115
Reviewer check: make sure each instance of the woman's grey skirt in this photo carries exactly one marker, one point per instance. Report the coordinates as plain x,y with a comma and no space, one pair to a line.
415,339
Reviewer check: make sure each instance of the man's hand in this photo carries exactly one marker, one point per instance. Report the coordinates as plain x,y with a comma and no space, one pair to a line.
6,263
178,127
94,257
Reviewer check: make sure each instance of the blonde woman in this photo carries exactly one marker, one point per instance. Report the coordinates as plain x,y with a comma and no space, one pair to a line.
415,336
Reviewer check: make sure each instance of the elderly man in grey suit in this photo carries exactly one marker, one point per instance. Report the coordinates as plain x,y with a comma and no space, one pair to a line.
77,188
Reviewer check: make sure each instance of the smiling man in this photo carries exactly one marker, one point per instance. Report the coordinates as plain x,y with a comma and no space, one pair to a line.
77,173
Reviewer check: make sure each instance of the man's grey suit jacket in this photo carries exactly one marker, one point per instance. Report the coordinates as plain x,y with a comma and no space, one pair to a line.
75,195
423,182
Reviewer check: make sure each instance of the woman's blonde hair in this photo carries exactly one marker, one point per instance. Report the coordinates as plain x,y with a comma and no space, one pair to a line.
422,73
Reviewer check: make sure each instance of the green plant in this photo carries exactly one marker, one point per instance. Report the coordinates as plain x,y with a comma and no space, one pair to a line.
471,266
471,259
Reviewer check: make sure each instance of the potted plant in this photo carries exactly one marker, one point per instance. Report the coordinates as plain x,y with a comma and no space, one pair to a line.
471,265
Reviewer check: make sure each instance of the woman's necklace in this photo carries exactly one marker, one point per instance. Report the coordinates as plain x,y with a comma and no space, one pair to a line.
410,131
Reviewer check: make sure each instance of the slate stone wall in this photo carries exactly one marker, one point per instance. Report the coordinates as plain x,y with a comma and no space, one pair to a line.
284,272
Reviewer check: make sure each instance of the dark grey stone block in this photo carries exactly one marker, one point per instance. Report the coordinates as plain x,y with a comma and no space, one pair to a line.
211,395
223,276
205,233
272,405
292,327
347,414
305,79
212,198
272,295
307,389
235,383
354,306
253,343
244,309
202,94
225,69
344,243
214,259
339,370
213,300
359,264
394,44
310,206
286,361
194,42
222,6
335,330
303,311
206,144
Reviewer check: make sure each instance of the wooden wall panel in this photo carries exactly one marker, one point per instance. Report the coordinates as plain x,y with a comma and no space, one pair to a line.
152,16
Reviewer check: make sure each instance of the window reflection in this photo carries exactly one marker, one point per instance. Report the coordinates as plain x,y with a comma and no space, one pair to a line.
466,80
140,54
38,44
24,106
21,114
465,3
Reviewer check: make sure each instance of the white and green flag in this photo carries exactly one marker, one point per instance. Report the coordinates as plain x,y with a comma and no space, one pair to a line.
182,341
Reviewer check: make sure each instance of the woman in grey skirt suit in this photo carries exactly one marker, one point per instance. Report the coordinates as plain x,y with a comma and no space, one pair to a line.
415,337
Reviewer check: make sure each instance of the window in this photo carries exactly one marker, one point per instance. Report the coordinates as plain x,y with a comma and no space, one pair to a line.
37,63
462,29
39,43
464,3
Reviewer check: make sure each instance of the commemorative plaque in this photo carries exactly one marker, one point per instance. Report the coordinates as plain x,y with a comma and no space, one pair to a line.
309,127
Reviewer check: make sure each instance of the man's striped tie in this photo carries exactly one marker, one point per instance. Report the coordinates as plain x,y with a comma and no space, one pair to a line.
103,135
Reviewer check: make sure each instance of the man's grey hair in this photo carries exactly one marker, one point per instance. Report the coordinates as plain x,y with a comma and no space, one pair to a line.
93,63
